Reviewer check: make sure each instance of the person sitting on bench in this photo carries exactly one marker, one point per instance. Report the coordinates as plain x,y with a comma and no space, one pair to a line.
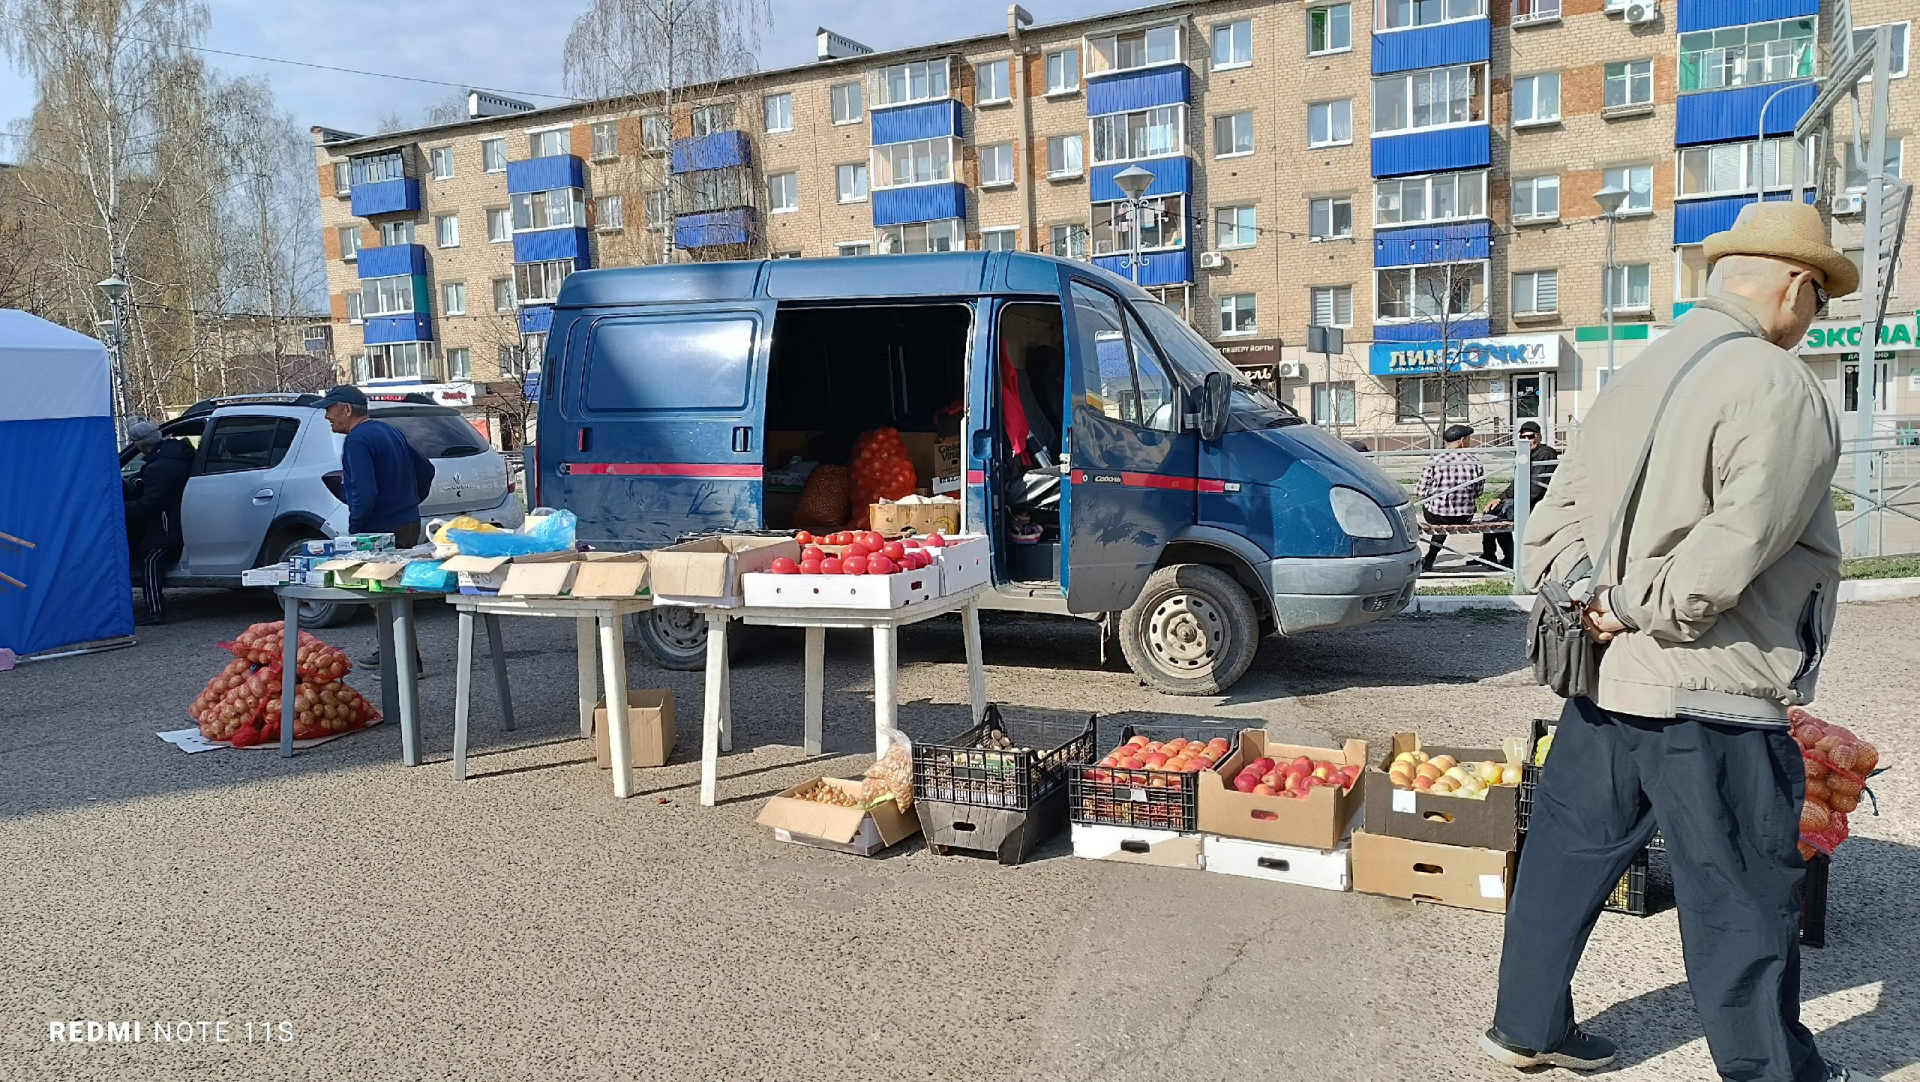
1450,488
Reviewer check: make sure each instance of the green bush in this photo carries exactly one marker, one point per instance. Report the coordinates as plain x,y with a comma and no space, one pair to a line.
1881,567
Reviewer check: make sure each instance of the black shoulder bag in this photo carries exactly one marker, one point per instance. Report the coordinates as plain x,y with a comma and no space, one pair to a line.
1564,659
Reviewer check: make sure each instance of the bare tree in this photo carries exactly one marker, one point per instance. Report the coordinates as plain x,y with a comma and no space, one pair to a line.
1441,296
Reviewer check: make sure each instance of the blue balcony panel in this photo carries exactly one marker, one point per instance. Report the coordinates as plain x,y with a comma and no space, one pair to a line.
544,244
545,174
1162,268
920,203
717,228
1694,220
721,150
413,327
1430,332
1171,176
1127,91
400,195
1432,244
536,318
1469,42
1469,147
926,120
391,260
1722,116
1713,14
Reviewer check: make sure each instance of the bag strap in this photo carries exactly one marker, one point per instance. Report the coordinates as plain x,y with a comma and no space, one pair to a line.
1601,566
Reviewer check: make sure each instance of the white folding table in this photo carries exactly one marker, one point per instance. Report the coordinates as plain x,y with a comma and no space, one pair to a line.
395,639
717,727
607,615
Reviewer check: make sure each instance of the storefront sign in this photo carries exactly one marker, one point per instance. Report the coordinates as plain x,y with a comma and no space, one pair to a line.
1898,332
1525,352
457,395
1250,352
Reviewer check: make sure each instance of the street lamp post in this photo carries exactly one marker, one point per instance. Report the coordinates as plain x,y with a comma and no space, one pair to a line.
1610,199
1134,182
114,328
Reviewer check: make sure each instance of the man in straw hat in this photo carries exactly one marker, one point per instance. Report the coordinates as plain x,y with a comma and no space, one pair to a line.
1715,605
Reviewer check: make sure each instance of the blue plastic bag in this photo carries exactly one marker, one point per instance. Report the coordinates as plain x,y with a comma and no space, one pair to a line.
426,575
553,535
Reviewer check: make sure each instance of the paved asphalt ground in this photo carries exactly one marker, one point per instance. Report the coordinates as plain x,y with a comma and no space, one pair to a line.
526,926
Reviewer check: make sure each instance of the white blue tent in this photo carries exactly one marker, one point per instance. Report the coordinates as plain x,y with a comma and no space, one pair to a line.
59,492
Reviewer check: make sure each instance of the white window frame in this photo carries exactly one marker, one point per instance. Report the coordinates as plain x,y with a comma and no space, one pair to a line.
1715,57
391,295
980,71
853,247
1331,48
1900,60
399,360
504,215
1011,232
1056,65
1000,180
543,201
1331,205
714,117
1476,74
1332,107
783,193
1717,154
492,149
438,156
656,201
655,124
1232,120
1231,28
1538,119
354,300
342,178
446,231
1080,142
840,182
349,252
606,149
1412,274
393,234
1625,274
1108,62
1179,127
511,300
455,358
880,93
1475,178
1383,10
1543,11
837,99
943,175
953,230
1324,398
537,139
1230,308
1631,78
1533,279
453,298
1535,185
1069,240
551,272
609,213
1628,209
1332,294
771,105
1168,208
1238,234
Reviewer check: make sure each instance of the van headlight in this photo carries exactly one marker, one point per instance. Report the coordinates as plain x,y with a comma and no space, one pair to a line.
1358,515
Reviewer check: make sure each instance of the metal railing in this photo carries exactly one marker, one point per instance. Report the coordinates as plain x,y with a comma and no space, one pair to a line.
1888,506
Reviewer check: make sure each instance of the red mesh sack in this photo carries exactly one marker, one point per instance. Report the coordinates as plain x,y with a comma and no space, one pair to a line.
265,643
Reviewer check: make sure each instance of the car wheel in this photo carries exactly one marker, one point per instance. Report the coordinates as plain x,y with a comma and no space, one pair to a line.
314,613
676,636
1192,631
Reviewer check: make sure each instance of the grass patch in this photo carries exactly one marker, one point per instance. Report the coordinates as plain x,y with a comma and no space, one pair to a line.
1881,567
1842,501
1487,588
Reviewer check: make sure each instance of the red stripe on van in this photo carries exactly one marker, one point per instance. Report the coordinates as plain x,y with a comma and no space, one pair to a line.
667,469
976,477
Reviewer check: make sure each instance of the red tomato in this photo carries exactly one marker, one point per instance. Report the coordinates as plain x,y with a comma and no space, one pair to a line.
784,566
811,552
837,539
893,550
810,567
872,539
880,565
830,566
854,565
918,559
935,541
911,542
803,537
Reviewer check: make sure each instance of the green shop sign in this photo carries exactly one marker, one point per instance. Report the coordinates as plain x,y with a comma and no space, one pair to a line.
1896,333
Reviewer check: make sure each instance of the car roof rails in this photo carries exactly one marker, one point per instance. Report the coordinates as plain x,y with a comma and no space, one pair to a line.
264,398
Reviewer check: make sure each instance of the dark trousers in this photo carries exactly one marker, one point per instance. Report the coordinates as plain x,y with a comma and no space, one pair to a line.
1497,547
1439,541
405,537
1727,798
154,561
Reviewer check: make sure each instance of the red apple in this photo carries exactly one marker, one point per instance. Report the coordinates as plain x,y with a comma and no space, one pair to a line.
1245,783
1264,789
1305,762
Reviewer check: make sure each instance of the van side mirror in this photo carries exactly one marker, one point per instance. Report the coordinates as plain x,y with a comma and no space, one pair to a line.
1215,403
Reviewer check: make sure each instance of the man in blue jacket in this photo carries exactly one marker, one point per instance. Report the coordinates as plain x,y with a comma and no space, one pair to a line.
384,476
153,513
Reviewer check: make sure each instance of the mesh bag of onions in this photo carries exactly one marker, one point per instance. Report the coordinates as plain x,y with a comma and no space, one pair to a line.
242,705
1838,764
265,644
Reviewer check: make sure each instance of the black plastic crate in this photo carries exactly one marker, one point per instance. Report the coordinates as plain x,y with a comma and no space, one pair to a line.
964,772
1146,798
1006,835
1630,894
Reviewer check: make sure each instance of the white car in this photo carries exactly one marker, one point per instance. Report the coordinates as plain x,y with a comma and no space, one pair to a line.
266,477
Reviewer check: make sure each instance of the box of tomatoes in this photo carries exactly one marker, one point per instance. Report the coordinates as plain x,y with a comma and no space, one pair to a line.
854,570
1285,794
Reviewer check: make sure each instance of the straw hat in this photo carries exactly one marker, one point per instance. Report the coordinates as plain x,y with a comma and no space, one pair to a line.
1784,230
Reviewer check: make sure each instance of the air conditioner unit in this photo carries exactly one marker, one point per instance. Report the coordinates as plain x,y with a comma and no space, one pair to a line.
1290,370
1213,260
1849,203
1641,12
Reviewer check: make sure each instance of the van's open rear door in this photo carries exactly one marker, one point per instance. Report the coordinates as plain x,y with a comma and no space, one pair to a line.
663,411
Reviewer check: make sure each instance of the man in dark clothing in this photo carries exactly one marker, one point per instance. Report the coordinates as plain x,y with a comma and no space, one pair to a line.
1497,546
385,477
153,514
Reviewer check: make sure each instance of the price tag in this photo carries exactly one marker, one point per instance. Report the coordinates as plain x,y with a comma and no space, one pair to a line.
1403,800
1493,886
782,834
1138,796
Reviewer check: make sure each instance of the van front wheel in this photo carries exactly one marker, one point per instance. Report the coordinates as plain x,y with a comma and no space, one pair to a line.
1192,631
676,636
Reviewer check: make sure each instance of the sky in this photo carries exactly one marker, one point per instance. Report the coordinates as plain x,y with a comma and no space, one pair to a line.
519,50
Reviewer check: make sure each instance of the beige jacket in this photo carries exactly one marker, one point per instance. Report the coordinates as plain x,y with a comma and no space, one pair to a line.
1732,564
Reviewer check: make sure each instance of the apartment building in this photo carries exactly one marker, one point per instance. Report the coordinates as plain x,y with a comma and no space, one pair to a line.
1419,174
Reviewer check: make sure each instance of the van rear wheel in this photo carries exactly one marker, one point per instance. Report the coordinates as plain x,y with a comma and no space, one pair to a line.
676,636
1192,631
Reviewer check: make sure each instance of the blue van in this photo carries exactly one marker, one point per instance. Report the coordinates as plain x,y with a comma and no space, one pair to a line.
1123,470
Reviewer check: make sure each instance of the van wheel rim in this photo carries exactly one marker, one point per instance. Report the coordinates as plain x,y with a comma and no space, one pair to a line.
1186,633
683,629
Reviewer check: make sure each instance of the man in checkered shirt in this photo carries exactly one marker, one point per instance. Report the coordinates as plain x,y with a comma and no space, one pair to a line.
1450,488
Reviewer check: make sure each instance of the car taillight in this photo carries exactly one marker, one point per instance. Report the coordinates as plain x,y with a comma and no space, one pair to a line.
336,483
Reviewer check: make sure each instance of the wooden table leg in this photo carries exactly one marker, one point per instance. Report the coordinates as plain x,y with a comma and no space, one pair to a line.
976,669
816,692
463,693
501,687
715,708
613,659
589,672
886,699
289,676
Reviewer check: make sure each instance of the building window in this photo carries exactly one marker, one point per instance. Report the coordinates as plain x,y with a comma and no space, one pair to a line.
1063,156
923,161
392,233
1232,135
786,255
547,144
374,168
1628,282
1690,280
499,224
1233,44
655,133
921,237
1536,99
503,294
349,243
446,231
1233,227
1430,293
1132,49
992,82
854,248
1854,171
609,213
996,165
1638,181
846,103
1150,133
387,296
459,364
1732,168
657,209
560,208
1536,199
717,189
1404,14
1331,306
453,298
441,159
851,183
342,178
713,117
1063,71
783,192
1330,123
354,314
1330,219
399,360
898,84
1535,11
1443,197
1069,241
1329,29
1744,55
539,283
1629,84
1430,99
779,113
1163,224
1237,314
1333,403
1536,293
1897,63
999,240
493,155
1417,400
606,140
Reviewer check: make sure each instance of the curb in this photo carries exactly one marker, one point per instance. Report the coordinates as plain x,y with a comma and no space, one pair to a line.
1879,589
1850,590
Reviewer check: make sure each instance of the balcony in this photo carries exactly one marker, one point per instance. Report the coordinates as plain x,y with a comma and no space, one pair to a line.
1722,116
1694,220
721,227
1436,151
540,245
1171,176
1469,42
1128,91
394,259
1478,327
1424,244
918,203
1161,268
536,319
396,196
545,174
721,150
927,120
412,327
1715,14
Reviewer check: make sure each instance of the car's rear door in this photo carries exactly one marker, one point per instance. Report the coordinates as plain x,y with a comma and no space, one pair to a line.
664,411
234,491
468,475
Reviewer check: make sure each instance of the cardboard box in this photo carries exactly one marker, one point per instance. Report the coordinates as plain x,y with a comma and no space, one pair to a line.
380,576
543,574
948,467
340,571
708,571
1302,867
1453,875
351,544
1317,821
484,574
895,519
1492,823
270,575
611,574
894,591
650,734
1138,845
860,831
964,563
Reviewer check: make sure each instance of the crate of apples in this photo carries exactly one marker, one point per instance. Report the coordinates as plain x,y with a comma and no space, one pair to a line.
1296,778
860,552
1155,760
1444,775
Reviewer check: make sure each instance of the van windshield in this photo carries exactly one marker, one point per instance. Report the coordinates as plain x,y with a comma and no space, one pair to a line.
1194,357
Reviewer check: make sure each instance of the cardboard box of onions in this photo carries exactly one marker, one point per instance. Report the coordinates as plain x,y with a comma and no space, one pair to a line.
1445,795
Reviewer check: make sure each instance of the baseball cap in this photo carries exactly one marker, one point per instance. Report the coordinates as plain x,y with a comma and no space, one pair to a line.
144,433
1530,426
1457,432
344,395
